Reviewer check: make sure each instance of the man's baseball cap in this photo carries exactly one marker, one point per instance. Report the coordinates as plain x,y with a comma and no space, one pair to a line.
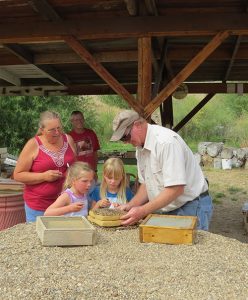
121,121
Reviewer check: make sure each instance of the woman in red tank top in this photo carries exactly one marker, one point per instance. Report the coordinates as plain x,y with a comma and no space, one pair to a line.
42,165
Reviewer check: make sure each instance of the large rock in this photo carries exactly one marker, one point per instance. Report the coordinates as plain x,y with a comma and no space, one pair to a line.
226,153
202,147
213,149
207,160
237,163
242,153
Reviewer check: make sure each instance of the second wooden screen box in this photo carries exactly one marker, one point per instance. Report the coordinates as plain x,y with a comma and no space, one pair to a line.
168,229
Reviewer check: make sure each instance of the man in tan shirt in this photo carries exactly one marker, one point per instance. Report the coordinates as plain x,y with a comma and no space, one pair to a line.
171,180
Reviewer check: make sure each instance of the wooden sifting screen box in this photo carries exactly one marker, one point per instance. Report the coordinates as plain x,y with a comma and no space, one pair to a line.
65,231
168,229
105,221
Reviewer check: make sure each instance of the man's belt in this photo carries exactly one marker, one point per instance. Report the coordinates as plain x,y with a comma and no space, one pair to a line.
206,193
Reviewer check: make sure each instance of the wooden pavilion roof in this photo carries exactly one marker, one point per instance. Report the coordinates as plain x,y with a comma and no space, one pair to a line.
142,47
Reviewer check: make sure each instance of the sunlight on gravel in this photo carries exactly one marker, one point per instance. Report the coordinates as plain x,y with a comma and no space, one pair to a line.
120,267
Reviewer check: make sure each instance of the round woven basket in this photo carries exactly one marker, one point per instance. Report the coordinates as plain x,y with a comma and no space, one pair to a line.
12,210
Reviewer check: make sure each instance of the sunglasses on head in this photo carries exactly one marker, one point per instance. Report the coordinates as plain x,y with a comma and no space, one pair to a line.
126,137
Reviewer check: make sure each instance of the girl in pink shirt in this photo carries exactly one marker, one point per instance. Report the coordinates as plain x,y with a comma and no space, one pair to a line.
73,201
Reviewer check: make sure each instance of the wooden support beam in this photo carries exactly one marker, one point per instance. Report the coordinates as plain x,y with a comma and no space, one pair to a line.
210,96
9,77
159,73
193,112
33,90
151,7
21,52
53,74
132,7
194,88
103,73
184,74
38,87
27,57
45,9
144,71
167,113
73,58
182,52
163,72
49,13
125,27
235,50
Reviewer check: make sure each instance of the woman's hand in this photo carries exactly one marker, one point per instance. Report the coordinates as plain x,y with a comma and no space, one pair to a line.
52,175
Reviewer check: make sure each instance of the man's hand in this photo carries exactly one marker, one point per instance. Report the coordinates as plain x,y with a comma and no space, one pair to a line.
124,207
133,216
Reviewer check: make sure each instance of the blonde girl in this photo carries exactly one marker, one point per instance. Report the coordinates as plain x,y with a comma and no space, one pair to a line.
113,190
73,201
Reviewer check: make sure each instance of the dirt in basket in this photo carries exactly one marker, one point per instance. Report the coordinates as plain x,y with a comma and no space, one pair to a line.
108,212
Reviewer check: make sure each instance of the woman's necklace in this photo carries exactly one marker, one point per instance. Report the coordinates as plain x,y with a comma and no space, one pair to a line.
57,156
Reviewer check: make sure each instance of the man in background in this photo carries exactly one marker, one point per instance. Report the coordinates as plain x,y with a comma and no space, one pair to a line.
85,139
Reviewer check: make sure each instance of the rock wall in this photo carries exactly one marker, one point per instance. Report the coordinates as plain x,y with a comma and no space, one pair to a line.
218,156
7,163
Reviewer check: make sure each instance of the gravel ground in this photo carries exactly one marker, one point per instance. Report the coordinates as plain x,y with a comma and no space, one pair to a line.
120,267
229,191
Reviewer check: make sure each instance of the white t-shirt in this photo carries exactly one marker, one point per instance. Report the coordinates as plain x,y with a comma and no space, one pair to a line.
166,160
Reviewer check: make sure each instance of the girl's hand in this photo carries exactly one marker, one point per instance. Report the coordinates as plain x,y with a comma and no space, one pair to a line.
103,203
116,205
124,207
77,206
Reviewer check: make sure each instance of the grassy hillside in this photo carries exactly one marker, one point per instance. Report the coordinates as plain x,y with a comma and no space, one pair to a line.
223,119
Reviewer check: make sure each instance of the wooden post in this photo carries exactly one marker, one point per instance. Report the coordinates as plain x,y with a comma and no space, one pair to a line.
167,113
144,71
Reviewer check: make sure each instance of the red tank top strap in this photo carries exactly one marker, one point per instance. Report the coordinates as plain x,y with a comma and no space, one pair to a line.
65,137
38,140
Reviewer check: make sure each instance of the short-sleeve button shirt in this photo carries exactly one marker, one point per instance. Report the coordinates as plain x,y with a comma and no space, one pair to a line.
166,160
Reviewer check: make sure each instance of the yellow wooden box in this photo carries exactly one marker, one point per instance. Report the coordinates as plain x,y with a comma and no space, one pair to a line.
65,231
168,229
105,221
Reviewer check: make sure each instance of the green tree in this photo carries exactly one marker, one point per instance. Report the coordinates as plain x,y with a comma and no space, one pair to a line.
115,100
20,116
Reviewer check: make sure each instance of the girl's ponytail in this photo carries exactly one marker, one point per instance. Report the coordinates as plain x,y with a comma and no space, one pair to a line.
76,171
